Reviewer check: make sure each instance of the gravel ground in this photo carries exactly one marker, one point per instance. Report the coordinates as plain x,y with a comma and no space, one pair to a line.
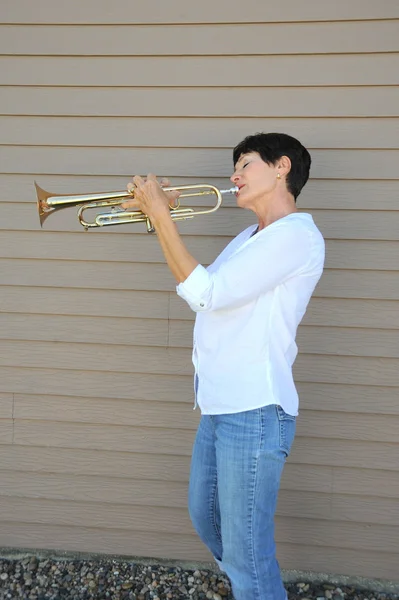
38,578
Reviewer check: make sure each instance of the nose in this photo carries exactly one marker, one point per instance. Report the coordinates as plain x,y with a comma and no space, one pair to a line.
234,178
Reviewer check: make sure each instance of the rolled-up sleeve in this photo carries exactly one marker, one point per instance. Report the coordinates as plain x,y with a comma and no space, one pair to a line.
196,289
260,266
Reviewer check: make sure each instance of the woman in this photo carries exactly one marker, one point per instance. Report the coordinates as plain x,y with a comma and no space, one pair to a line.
249,303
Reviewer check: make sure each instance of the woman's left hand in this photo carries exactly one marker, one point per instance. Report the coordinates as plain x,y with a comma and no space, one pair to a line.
149,197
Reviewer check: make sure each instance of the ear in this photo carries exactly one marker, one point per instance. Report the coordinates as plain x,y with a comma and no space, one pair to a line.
284,166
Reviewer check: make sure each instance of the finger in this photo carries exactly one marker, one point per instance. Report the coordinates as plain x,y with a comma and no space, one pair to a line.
173,198
138,181
151,178
165,182
130,205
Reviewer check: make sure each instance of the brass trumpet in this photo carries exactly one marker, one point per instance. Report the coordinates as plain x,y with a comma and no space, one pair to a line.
48,203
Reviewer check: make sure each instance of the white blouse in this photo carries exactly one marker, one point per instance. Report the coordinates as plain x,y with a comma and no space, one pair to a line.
249,304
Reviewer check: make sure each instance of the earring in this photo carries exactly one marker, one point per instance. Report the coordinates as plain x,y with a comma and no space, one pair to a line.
278,176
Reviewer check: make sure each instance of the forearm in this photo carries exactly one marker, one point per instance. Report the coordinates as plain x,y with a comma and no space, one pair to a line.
180,261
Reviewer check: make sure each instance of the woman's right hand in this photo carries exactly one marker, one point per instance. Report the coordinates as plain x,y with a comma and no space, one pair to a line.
164,183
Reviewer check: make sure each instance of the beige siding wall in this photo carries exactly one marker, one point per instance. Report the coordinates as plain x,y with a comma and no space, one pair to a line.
96,421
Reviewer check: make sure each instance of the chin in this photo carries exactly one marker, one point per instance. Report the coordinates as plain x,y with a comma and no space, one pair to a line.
243,202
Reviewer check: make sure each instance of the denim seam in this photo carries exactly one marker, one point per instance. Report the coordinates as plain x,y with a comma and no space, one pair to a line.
213,516
282,431
213,501
252,506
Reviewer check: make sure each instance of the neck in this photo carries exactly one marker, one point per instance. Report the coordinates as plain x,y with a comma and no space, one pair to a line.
274,209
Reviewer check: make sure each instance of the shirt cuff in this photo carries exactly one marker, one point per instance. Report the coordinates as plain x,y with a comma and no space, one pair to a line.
194,289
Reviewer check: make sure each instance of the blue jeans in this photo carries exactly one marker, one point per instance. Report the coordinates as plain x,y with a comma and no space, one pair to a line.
235,476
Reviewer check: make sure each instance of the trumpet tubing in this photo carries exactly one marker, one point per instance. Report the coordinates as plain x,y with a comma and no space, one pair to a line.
48,203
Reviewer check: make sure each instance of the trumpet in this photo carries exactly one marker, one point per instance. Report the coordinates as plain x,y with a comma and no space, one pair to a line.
48,203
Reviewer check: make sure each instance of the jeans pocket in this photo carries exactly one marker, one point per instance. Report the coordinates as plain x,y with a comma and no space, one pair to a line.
287,426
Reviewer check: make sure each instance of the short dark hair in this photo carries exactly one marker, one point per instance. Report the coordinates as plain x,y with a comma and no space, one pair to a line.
271,147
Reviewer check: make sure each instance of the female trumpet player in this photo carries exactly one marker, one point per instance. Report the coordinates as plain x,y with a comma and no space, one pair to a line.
248,306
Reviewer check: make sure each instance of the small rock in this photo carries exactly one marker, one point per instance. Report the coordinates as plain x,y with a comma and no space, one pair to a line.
4,576
127,585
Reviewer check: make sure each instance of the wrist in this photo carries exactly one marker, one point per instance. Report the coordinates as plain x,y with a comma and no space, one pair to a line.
161,217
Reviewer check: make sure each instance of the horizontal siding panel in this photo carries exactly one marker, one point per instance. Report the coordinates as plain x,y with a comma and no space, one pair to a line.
124,12
199,162
208,71
324,534
89,514
336,283
242,39
86,488
169,519
6,405
359,254
314,397
104,437
347,453
171,388
6,431
97,357
120,248
366,563
171,441
337,507
83,488
177,361
132,463
66,469
226,222
347,370
358,284
172,361
337,425
347,101
367,482
138,413
320,397
91,330
32,340
136,276
145,492
194,133
347,194
339,480
105,411
100,303
102,463
347,341
141,386
116,541
344,341
334,312
349,398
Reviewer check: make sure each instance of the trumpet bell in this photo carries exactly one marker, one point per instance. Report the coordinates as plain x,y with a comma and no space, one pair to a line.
42,208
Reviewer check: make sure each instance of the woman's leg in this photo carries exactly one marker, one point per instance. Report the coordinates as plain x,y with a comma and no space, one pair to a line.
203,501
251,448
